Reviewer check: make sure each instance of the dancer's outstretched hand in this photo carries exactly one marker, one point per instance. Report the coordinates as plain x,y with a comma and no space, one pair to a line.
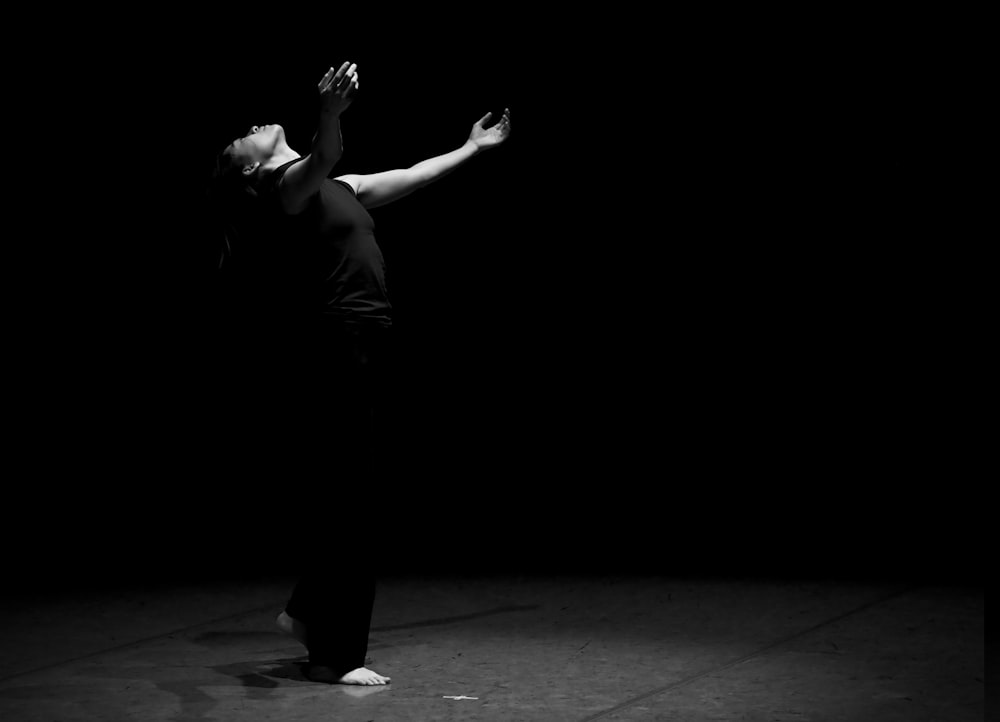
484,137
338,88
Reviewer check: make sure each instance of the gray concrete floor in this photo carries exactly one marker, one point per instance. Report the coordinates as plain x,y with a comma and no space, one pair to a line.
516,648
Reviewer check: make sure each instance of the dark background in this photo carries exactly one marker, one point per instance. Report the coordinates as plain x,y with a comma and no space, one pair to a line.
680,323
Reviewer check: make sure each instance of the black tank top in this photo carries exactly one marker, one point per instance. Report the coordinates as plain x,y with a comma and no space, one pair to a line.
325,259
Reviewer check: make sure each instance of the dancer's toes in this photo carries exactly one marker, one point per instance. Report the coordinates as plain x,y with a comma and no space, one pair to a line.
364,676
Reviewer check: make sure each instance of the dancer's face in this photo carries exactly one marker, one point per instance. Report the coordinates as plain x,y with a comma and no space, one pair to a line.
258,144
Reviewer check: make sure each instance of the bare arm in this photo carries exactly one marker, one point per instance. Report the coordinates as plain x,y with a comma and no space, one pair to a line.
377,189
302,180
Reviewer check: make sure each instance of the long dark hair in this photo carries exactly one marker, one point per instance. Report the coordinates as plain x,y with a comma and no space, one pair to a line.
230,198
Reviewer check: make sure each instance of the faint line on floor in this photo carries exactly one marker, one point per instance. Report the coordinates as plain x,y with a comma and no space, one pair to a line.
384,628
728,665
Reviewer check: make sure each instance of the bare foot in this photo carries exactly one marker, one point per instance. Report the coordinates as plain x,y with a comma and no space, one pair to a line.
363,675
291,626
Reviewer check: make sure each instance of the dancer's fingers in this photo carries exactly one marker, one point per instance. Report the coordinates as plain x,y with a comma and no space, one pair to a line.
326,79
339,75
346,78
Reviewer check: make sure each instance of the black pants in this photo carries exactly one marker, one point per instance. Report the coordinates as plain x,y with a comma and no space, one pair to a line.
336,605
345,370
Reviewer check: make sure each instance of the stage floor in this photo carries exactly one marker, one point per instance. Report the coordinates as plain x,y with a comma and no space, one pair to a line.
517,648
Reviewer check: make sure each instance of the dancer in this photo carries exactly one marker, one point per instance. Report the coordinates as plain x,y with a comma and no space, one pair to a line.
301,248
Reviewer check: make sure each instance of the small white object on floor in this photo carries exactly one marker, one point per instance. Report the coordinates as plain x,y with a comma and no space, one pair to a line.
461,696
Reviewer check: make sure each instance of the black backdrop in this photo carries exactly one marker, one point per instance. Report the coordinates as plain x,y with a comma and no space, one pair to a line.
668,327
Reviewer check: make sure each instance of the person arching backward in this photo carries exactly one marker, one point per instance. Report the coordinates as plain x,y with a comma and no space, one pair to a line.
301,247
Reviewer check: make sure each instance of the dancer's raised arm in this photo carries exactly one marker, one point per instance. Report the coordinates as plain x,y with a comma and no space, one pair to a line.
336,92
377,189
